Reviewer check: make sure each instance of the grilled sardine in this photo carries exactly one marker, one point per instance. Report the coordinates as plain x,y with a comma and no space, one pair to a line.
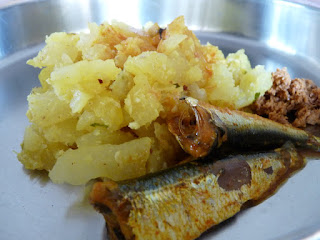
200,128
185,201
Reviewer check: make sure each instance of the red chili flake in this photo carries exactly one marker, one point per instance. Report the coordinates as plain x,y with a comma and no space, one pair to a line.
196,181
100,81
185,88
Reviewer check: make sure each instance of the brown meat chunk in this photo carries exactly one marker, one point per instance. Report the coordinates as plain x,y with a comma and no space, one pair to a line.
295,102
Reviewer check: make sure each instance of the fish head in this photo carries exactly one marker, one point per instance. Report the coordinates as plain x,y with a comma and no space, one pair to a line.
197,129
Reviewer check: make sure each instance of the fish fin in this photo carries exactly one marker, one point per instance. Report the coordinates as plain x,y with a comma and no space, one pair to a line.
314,143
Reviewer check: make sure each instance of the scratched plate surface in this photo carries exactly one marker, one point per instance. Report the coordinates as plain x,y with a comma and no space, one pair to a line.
273,33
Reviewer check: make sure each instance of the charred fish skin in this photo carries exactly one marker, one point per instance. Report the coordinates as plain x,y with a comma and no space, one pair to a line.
232,129
185,201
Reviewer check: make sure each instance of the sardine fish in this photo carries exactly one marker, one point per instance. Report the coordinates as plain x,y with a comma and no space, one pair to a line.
185,201
201,129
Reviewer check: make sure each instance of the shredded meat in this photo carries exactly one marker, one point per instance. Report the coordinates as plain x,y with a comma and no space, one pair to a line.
295,102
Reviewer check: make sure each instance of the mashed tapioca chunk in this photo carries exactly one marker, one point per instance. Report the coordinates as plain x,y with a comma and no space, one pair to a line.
105,95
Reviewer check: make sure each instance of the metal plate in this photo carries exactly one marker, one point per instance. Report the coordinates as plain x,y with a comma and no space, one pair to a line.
274,33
